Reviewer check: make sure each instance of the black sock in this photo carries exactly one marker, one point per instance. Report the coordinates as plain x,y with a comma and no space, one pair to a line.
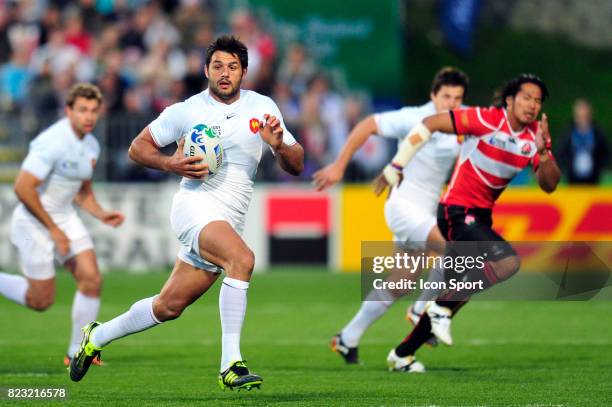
419,335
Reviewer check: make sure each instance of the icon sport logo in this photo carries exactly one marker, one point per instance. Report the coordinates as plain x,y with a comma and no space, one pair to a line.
199,131
254,125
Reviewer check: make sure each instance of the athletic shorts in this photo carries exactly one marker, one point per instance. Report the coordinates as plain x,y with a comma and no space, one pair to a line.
191,212
410,224
36,248
461,224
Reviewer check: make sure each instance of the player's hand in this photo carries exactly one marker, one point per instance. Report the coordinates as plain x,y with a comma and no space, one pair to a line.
380,184
327,176
391,176
189,167
542,137
60,240
271,131
112,218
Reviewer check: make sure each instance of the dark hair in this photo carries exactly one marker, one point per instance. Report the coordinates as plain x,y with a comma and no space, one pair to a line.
83,90
231,45
449,76
514,86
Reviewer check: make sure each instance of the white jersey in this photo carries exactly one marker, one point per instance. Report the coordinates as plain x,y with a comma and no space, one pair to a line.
62,160
242,145
426,173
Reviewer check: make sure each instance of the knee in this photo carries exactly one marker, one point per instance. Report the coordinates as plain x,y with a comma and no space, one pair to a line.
91,285
168,309
41,303
507,268
242,264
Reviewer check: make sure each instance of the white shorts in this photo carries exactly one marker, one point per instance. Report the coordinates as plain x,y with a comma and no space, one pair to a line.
191,212
35,246
410,224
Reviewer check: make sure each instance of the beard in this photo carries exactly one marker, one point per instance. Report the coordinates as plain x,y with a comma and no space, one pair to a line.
227,94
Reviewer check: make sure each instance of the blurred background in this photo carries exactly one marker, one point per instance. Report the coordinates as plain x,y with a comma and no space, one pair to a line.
327,66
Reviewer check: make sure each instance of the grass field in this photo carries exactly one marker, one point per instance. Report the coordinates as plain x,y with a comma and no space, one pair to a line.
506,354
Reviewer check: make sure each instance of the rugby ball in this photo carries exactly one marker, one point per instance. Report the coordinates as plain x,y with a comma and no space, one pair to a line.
203,140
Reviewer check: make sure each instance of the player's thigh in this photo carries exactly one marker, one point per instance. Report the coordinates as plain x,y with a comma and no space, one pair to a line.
435,241
499,253
84,268
478,239
41,293
409,223
184,286
409,271
221,244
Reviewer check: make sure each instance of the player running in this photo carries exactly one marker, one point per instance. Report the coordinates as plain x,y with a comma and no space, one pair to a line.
503,141
55,175
410,209
207,215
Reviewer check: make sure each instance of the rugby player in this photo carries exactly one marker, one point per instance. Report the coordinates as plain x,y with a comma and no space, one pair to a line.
207,214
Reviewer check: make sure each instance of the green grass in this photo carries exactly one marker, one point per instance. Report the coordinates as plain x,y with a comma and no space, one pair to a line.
506,354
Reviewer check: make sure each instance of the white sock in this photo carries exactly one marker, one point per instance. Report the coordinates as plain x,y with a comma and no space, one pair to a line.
232,307
84,310
138,318
14,287
373,307
429,294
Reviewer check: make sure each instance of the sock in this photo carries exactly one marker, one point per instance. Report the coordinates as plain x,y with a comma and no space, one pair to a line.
14,287
422,332
232,308
138,318
436,275
373,307
419,335
84,310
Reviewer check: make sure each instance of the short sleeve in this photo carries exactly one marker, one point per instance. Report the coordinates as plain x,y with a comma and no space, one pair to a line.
170,125
41,158
397,123
288,138
476,121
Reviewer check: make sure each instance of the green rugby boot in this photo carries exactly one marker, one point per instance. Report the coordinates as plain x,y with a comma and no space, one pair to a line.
237,376
87,353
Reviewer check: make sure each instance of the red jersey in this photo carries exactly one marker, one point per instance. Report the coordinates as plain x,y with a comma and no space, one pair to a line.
491,155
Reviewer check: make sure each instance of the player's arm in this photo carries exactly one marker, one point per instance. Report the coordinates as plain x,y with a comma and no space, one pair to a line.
334,172
418,136
25,188
548,173
289,157
86,199
145,151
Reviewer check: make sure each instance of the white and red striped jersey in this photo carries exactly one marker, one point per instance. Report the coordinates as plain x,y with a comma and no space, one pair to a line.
491,155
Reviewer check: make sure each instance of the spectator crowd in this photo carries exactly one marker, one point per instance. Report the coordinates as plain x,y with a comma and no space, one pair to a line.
146,55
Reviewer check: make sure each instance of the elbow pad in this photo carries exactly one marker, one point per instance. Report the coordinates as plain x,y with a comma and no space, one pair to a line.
418,136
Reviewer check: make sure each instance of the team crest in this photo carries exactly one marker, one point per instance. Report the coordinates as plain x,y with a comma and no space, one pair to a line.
526,149
469,219
254,125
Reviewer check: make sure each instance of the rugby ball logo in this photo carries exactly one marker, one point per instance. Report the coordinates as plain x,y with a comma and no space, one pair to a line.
204,141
